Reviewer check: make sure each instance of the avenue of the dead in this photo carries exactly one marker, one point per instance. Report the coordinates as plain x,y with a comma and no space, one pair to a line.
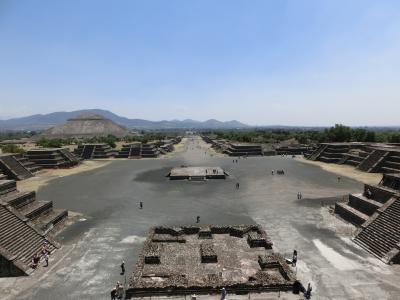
111,228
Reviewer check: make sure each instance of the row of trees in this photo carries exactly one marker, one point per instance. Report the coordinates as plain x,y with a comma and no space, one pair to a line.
109,139
338,133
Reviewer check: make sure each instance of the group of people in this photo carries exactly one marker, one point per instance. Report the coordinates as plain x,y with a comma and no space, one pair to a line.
279,172
118,291
235,161
215,171
299,196
44,253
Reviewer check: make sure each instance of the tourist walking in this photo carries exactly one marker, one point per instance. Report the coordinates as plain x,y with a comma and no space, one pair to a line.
307,294
46,259
294,259
223,294
338,179
113,294
237,185
120,290
122,268
198,219
141,205
272,172
35,261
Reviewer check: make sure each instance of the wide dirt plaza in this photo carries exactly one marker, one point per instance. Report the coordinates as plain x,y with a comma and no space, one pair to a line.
110,226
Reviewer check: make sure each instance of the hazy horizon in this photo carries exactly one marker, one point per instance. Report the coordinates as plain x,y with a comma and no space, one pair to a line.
294,63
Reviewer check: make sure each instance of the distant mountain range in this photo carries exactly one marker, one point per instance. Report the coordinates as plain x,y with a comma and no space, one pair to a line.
42,122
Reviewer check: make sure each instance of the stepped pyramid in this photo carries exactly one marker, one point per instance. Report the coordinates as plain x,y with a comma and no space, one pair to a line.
85,126
24,224
376,212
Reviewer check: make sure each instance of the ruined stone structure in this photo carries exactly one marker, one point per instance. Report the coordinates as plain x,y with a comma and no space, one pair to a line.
52,157
139,150
234,149
86,125
376,212
197,173
16,167
202,259
24,226
292,150
149,150
376,158
92,151
130,151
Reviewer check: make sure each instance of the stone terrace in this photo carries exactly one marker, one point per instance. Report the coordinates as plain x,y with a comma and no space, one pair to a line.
200,173
184,260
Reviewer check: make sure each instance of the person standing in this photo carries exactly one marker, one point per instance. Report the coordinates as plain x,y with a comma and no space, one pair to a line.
46,259
294,259
122,268
307,294
120,290
113,294
223,294
141,205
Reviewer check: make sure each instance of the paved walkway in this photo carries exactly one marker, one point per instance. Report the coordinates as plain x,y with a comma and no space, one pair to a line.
113,227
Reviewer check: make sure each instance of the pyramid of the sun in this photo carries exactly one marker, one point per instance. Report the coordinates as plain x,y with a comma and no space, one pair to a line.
84,126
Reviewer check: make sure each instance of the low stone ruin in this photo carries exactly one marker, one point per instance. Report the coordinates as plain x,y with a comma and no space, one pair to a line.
197,173
189,259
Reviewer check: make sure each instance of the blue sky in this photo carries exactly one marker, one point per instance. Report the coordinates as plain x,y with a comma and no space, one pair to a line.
261,62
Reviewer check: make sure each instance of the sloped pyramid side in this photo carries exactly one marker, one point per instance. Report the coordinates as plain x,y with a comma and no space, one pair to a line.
86,125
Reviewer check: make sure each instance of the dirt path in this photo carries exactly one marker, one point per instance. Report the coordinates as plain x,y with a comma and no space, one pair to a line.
43,177
345,170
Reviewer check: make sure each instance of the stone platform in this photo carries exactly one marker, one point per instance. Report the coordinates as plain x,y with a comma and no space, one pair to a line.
203,259
197,173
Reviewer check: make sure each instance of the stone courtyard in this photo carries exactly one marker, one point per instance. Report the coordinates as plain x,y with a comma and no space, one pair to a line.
113,228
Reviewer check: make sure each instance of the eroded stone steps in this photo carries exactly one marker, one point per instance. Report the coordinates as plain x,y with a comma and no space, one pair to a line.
17,237
350,214
19,199
364,204
52,218
36,209
383,233
7,186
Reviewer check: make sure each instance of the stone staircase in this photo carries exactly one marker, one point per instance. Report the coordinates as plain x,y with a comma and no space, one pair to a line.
41,213
93,151
69,156
130,151
381,234
24,223
52,157
13,168
372,161
376,212
360,207
19,241
391,163
318,152
30,165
